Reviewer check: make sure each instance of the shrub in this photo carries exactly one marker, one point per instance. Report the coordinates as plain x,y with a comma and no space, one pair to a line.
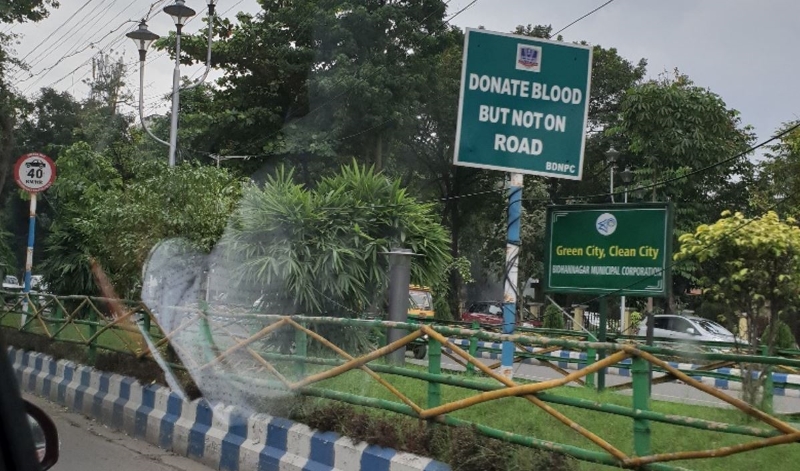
553,317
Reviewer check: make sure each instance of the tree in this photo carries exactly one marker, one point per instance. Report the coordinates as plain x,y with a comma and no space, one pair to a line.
311,80
321,251
675,129
101,215
86,179
779,172
18,11
751,266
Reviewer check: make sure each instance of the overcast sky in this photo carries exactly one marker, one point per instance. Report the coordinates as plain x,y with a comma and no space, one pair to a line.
743,50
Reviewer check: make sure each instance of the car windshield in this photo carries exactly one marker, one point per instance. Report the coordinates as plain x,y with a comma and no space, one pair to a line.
301,161
713,327
420,299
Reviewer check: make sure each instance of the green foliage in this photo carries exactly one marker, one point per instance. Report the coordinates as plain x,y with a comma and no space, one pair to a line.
673,127
20,11
784,338
750,266
8,262
85,180
324,247
636,320
100,215
779,173
553,317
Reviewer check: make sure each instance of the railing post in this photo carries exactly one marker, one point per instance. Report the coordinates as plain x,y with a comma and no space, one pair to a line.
473,348
92,357
601,337
434,367
300,350
58,314
641,402
591,356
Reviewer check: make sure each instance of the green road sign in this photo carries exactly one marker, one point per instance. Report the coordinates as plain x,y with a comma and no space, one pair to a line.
524,105
624,249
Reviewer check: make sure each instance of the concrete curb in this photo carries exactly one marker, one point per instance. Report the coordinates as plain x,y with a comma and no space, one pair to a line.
219,436
568,360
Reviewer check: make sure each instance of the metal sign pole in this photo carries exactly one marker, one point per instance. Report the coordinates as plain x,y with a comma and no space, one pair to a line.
29,257
512,263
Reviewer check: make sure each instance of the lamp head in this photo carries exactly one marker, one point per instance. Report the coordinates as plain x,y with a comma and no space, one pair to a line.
612,155
143,38
179,13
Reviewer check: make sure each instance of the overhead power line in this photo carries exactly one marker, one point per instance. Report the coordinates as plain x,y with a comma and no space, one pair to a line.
84,26
51,35
96,43
724,237
583,17
693,172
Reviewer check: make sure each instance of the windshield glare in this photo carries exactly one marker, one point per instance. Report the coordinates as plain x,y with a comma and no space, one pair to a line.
713,327
420,299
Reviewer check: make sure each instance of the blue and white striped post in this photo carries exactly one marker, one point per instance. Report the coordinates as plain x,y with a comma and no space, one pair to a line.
29,257
512,260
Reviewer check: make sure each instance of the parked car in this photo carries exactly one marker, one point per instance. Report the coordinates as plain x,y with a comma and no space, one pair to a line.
678,327
11,282
491,313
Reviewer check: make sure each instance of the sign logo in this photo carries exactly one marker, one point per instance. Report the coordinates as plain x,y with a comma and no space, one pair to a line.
606,224
529,58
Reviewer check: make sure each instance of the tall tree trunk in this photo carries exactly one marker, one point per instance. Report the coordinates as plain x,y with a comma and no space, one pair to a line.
379,154
6,143
453,219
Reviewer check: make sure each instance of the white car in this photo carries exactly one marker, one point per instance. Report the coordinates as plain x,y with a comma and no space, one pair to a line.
11,282
678,327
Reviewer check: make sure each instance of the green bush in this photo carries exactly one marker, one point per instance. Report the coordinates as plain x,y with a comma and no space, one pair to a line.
785,338
553,317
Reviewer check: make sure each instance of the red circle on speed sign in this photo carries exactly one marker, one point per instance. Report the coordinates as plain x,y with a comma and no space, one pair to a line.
35,172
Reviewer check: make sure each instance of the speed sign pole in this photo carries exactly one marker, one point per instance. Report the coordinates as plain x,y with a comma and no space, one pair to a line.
33,173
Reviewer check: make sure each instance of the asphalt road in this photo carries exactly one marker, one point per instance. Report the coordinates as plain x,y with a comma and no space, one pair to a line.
88,446
672,392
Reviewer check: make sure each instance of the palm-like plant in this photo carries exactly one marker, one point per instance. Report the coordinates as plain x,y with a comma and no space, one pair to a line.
321,251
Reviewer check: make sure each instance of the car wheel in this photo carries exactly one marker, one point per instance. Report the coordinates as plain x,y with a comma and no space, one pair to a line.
420,351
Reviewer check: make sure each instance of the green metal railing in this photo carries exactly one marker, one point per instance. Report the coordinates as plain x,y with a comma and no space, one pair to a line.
233,342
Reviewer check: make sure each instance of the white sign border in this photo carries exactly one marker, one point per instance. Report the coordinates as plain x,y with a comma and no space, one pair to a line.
456,149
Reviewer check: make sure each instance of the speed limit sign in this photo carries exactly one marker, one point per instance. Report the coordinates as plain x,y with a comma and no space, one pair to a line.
35,172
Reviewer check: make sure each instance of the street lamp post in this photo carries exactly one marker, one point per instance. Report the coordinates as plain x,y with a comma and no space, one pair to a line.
627,177
611,157
180,13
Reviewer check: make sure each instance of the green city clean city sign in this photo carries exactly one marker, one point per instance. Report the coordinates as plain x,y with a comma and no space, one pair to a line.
524,104
622,249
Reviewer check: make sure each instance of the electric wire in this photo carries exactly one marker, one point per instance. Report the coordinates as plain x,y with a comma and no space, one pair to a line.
582,18
51,35
75,49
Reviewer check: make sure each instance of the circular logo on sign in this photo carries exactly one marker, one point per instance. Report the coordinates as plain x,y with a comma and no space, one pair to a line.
606,224
34,172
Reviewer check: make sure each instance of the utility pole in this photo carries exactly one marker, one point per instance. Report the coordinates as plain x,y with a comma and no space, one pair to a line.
512,263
